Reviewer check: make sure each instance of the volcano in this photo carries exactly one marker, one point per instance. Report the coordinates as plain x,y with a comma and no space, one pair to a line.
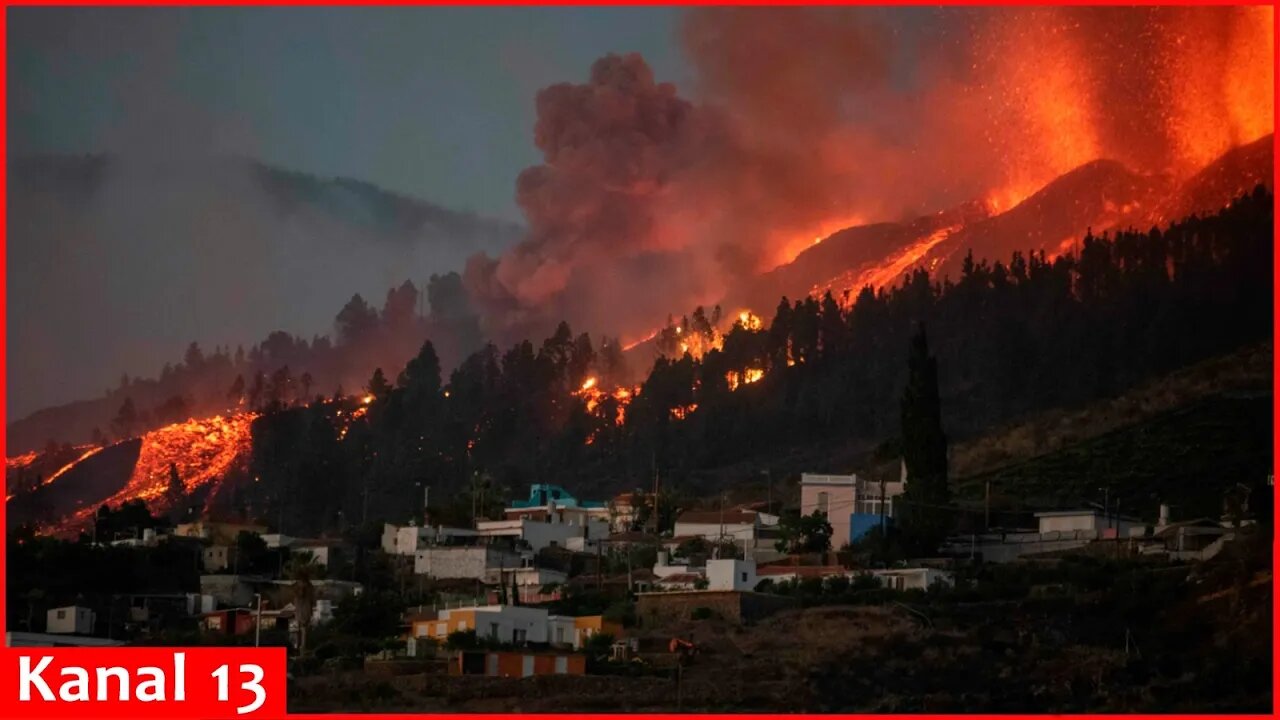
1099,196
59,487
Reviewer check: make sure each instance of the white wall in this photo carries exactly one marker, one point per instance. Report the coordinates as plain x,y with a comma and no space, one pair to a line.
913,578
1066,523
711,531
509,619
539,534
731,574
841,493
70,620
1091,521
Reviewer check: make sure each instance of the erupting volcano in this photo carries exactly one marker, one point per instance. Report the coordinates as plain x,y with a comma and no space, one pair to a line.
803,123
817,153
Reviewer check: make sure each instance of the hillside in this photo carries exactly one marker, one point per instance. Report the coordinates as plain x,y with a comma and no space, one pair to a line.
1188,640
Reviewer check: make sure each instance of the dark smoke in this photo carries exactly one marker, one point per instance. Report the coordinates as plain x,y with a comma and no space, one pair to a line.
809,120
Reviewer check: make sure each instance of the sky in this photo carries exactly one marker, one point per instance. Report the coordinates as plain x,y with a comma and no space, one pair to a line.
432,102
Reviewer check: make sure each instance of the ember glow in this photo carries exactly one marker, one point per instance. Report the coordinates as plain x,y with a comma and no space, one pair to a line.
683,412
20,462
592,396
748,376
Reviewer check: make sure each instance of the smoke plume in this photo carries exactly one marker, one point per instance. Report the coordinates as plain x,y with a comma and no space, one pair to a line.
805,121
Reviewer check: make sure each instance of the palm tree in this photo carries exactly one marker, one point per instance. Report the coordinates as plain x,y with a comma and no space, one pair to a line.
32,597
302,571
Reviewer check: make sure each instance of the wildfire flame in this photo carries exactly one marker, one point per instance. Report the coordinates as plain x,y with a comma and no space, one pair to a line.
592,395
683,411
748,376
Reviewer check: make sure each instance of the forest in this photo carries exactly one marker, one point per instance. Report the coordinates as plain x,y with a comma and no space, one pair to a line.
1009,337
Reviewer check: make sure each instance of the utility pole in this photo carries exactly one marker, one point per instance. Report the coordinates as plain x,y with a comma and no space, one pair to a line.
986,522
884,531
722,496
599,566
656,523
257,622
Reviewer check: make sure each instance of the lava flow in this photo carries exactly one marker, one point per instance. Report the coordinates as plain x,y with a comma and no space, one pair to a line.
202,452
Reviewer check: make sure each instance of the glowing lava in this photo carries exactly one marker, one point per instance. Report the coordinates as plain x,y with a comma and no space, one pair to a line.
203,452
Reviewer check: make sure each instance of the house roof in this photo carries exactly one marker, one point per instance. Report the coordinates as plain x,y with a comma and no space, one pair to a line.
715,517
679,579
1198,523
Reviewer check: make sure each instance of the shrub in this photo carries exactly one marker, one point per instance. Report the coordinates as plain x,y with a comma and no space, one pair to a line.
462,640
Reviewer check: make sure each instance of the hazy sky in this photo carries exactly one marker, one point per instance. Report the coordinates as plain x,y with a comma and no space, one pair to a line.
433,102
436,103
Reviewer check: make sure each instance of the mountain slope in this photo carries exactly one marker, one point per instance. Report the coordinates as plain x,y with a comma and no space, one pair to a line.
221,250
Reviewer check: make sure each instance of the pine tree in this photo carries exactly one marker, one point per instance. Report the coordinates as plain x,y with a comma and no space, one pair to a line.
176,489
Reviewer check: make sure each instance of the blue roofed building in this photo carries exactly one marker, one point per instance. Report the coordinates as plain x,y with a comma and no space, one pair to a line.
544,495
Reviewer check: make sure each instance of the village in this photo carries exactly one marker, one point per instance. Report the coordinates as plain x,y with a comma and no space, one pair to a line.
507,594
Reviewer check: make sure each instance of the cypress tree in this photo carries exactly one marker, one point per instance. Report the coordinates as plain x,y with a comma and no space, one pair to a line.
926,518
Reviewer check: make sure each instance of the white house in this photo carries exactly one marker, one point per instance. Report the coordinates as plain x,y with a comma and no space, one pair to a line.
731,574
663,567
70,620
320,550
840,497
1090,520
551,532
913,578
404,540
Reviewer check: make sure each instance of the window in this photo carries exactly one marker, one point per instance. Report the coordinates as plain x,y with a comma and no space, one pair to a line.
493,630
822,502
560,635
744,577
518,636
62,614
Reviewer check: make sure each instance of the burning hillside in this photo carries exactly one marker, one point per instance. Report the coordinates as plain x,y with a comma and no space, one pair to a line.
804,122
201,454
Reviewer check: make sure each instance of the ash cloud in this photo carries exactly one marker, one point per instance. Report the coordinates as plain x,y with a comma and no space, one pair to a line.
805,121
